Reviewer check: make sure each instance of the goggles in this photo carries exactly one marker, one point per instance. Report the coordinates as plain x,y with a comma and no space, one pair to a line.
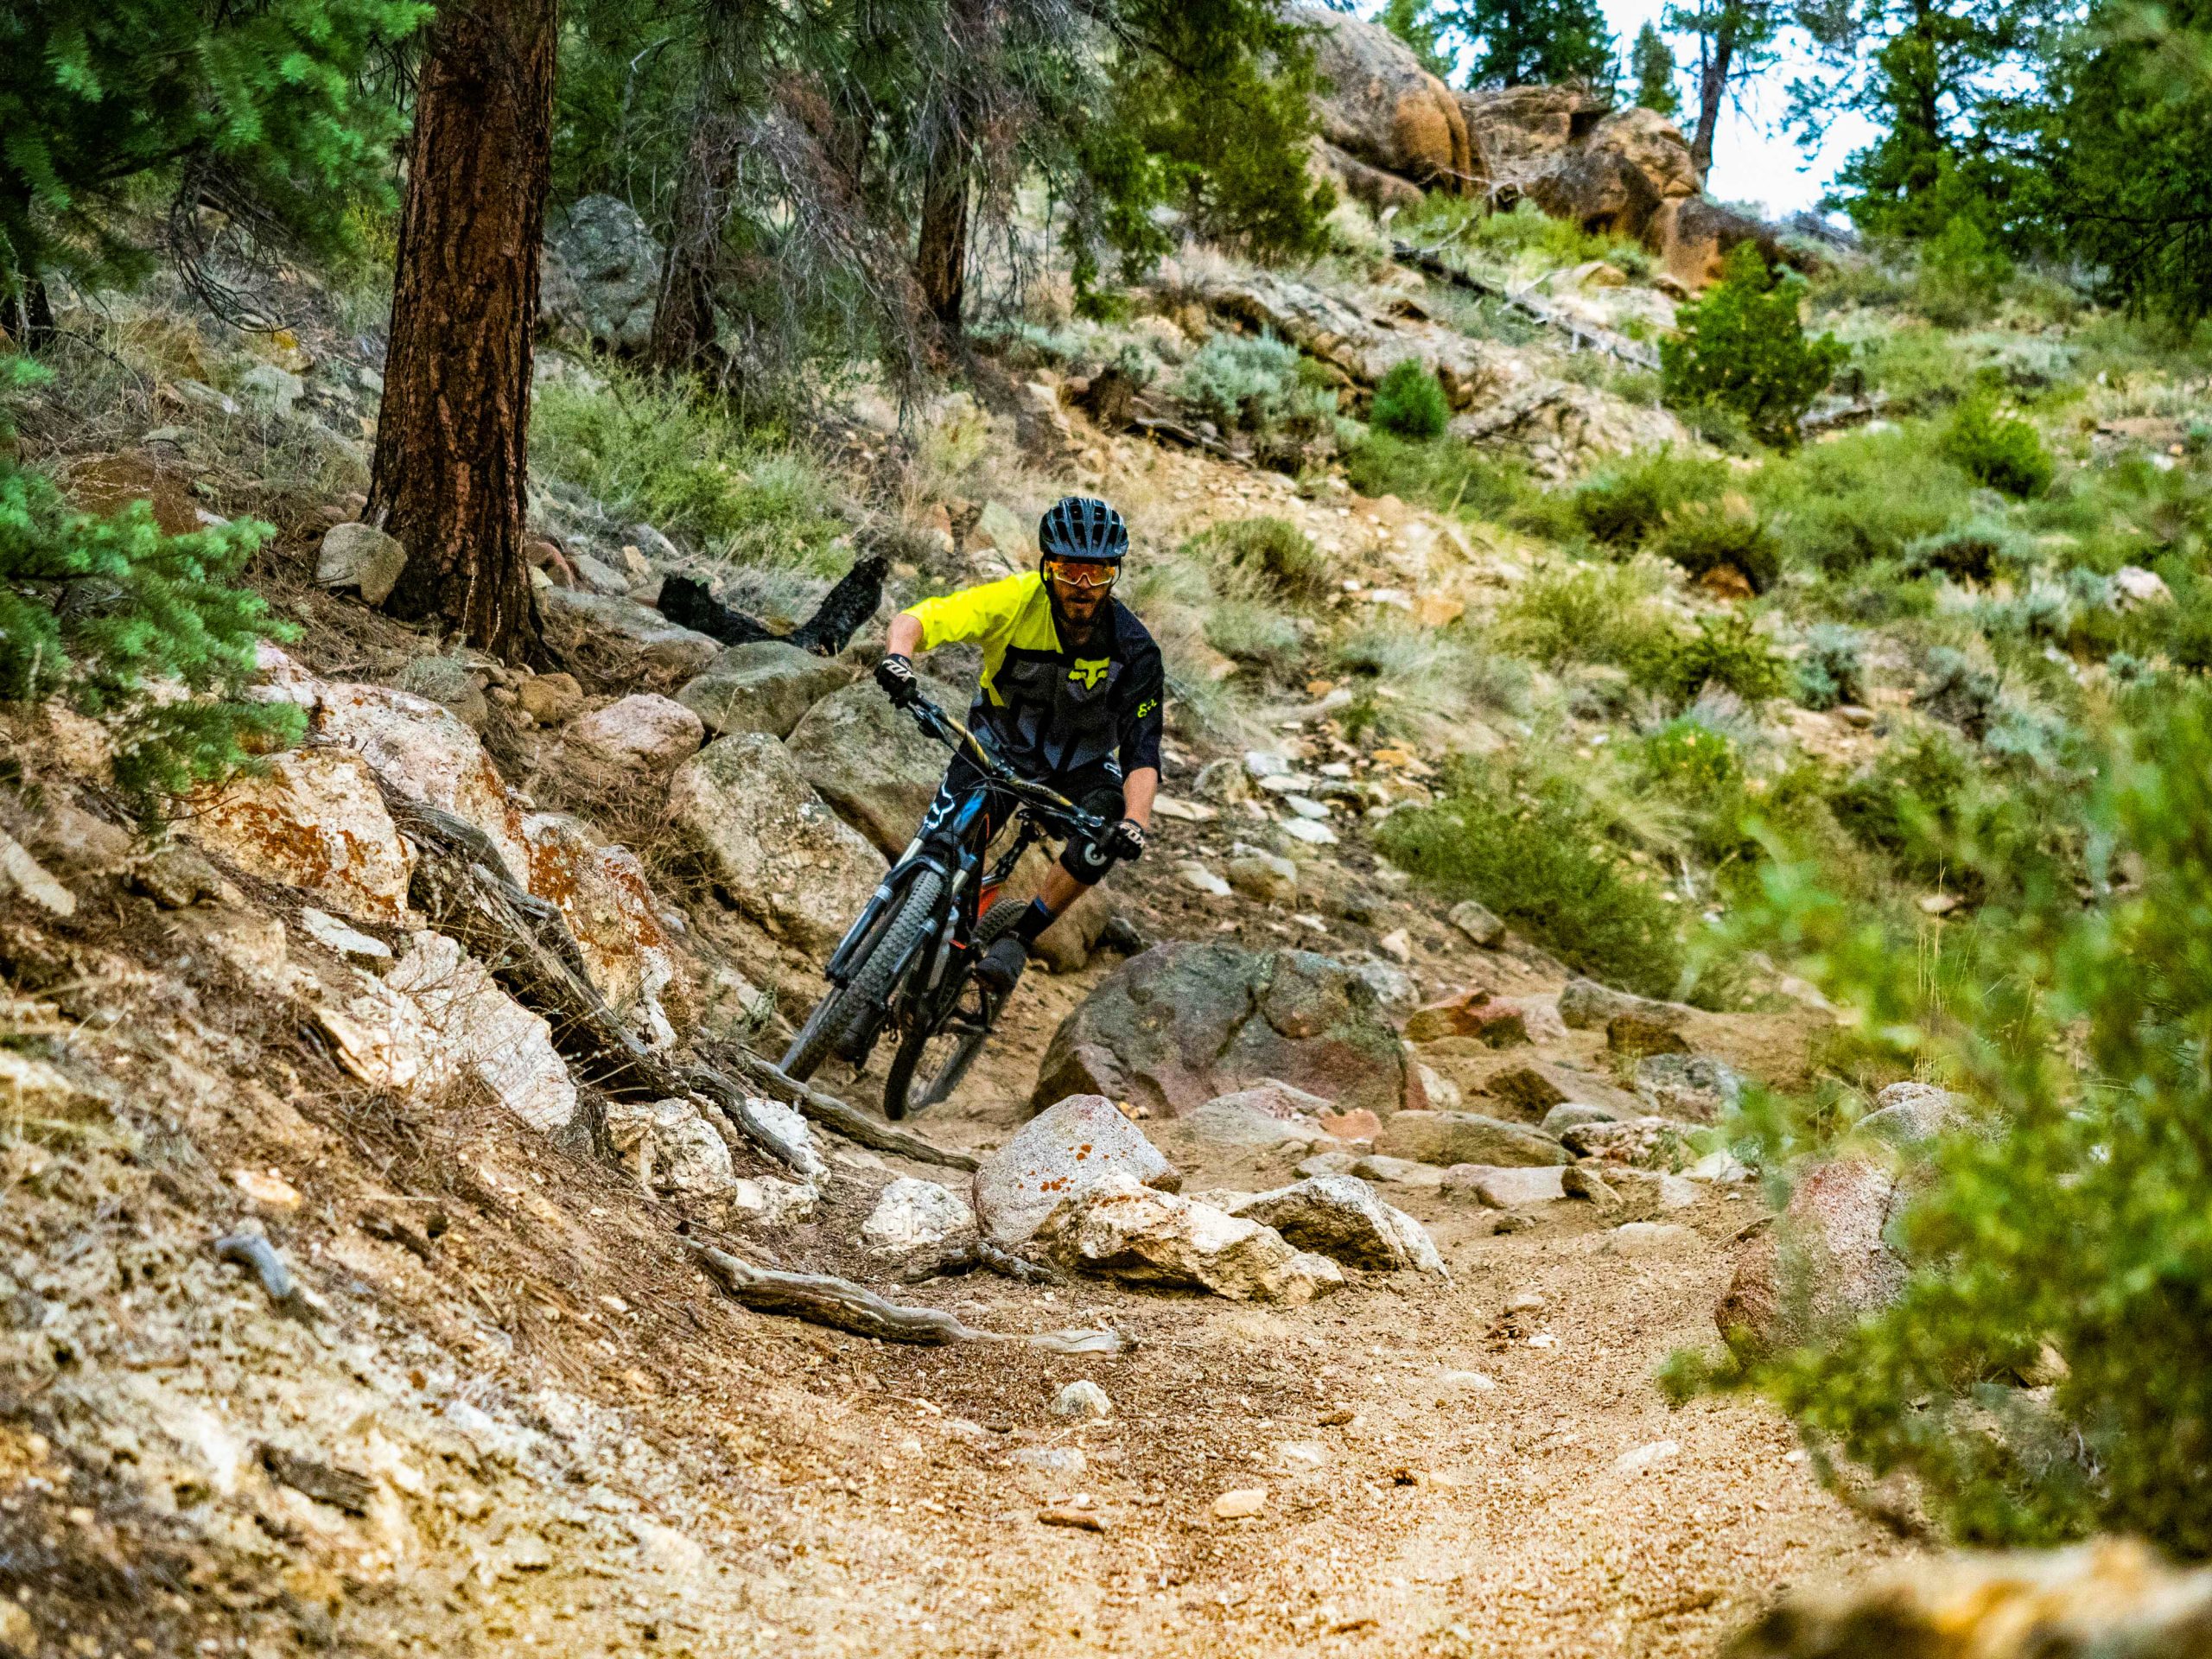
1082,574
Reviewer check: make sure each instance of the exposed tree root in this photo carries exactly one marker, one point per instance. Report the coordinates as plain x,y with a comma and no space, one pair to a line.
843,1306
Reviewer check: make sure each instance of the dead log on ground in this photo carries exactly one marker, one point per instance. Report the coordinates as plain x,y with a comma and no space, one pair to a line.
843,1306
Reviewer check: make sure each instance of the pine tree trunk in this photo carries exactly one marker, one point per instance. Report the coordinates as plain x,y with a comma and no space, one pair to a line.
941,259
1714,61
449,468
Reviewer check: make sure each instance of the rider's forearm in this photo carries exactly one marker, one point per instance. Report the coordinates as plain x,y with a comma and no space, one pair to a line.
1137,790
905,636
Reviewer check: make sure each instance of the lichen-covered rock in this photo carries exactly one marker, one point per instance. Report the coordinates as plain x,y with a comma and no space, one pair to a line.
644,733
1060,1152
426,752
314,819
610,907
918,1219
610,273
1341,1218
1120,1227
1586,1005
1826,1261
1695,1087
362,557
1184,1023
621,642
784,858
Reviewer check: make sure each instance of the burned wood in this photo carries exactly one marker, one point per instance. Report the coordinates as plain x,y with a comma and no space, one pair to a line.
692,605
821,1299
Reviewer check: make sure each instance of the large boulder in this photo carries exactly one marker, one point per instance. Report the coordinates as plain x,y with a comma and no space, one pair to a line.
422,750
611,908
764,686
1120,1227
1184,1023
1341,1218
1515,132
1380,107
1060,1152
869,760
609,273
645,735
1906,1114
784,858
1612,183
1827,1260
1448,1138
315,819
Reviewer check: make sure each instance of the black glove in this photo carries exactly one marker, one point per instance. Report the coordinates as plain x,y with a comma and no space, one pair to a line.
896,676
1126,839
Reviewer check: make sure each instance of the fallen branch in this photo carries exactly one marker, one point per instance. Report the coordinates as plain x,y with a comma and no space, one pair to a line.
841,1304
845,1119
258,1256
1153,426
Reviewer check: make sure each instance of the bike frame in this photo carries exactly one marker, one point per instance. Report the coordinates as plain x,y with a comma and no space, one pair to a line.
965,898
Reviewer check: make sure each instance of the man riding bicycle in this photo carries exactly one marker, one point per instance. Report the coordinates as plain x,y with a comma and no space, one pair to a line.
1070,697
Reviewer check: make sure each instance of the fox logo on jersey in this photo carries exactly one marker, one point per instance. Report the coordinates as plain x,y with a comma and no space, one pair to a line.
1090,670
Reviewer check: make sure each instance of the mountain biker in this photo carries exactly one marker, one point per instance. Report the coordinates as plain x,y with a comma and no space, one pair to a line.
1070,697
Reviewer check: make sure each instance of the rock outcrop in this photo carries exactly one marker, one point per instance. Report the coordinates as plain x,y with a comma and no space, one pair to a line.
1184,1023
765,686
603,275
1122,1228
1384,112
870,761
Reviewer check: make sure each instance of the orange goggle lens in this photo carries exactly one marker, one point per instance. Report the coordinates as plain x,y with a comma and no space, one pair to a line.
1081,575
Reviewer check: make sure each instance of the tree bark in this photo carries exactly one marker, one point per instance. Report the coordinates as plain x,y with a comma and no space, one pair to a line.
450,467
683,315
941,259
1718,50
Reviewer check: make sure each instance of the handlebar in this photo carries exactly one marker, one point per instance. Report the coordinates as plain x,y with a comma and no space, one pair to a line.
937,724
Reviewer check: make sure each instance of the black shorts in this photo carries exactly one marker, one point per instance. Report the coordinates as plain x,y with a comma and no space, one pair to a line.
1095,787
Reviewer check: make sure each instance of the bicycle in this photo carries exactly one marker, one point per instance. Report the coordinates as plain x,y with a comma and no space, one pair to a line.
908,961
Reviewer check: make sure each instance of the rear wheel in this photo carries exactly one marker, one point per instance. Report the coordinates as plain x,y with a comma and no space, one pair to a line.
880,959
935,1055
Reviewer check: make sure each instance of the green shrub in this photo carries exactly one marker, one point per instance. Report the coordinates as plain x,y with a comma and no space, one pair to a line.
2046,1370
1450,477
1743,348
1253,633
1727,651
1906,805
1962,275
1623,504
1833,669
1409,403
1275,551
1533,852
1529,232
1997,449
1574,613
1689,759
659,452
113,616
1861,498
1702,535
1254,383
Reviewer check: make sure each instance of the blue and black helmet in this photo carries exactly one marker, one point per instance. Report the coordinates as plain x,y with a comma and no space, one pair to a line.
1082,527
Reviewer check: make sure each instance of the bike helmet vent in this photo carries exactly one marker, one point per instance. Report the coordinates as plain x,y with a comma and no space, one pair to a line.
1082,527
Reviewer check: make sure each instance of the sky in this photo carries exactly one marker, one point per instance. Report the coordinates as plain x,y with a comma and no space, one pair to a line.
1753,158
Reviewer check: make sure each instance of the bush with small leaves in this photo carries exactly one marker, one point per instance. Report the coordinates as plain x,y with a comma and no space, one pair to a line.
1742,347
1409,403
1702,535
1275,551
2046,1370
122,620
1625,503
1254,383
1727,651
1996,448
1962,275
1833,669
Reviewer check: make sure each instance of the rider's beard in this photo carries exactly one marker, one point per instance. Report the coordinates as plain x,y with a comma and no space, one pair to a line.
1077,632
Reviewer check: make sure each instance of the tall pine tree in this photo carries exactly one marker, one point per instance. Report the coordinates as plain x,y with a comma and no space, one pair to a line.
1651,62
1529,42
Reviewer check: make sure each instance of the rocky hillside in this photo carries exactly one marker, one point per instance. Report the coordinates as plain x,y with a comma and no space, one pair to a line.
407,1247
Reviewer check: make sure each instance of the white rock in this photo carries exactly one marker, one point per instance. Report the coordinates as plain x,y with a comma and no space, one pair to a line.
1053,1460
1720,1166
350,942
669,1146
1647,1237
1240,1504
1241,1120
1121,1228
645,733
763,1200
1303,1454
2135,586
1198,875
913,1216
1057,1155
1081,1398
1306,807
1262,764
1306,829
1397,944
1505,1187
786,1127
19,873
1646,1457
1478,1381
1397,1172
1339,1216
1444,1095
1678,1192
360,556
424,751
616,919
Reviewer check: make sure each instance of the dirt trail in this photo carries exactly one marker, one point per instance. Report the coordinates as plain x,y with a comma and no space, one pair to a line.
564,1440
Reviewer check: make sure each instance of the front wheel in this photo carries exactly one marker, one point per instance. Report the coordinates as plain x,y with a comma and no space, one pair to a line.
935,1053
880,960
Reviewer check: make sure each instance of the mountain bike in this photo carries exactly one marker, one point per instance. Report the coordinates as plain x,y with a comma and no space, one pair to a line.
908,962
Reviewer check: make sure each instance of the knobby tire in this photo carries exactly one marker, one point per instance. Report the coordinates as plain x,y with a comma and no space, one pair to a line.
899,1098
868,982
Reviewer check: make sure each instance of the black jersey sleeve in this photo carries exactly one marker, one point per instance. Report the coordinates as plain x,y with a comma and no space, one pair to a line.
1143,689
